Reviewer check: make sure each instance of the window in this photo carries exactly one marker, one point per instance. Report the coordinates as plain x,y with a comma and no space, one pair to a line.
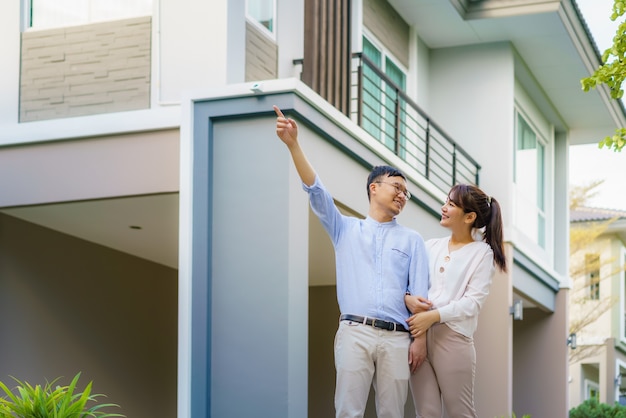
623,311
44,14
592,266
263,13
530,181
592,390
381,105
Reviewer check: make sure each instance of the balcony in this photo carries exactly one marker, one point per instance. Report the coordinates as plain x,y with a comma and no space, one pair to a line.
380,107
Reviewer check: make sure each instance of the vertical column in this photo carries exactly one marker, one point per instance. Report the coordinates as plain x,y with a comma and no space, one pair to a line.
494,345
541,361
258,274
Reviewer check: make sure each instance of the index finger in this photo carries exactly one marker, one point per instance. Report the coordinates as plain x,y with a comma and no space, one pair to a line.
278,112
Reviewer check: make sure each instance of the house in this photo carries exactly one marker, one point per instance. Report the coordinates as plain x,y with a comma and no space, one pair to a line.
597,309
153,233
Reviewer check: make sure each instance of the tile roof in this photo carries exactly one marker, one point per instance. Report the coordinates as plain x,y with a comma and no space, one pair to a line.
587,214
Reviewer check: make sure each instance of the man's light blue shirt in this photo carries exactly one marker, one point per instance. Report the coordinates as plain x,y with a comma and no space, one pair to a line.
377,263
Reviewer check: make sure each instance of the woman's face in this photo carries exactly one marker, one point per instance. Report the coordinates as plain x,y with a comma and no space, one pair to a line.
451,214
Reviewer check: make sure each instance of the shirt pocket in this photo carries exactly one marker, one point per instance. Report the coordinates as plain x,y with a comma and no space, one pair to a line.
399,262
397,252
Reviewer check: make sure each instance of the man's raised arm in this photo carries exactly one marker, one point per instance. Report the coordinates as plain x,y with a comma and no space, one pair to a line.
287,131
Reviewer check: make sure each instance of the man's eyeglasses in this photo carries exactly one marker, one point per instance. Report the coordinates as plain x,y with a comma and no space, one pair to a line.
399,189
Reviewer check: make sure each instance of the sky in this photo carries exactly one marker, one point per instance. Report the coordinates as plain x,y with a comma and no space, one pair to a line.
588,163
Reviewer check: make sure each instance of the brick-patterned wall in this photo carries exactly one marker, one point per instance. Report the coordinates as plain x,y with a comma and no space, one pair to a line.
261,55
85,70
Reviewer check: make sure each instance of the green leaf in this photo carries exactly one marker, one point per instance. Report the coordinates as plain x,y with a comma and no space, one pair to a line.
50,401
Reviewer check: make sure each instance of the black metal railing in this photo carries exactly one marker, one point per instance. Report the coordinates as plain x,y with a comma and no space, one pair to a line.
382,108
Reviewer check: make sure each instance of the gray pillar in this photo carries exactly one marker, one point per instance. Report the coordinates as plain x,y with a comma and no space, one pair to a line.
245,243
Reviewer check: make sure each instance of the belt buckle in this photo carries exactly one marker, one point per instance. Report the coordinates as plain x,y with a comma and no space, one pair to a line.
374,323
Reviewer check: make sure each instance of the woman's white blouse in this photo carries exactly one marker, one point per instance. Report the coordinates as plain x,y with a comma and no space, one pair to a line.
459,282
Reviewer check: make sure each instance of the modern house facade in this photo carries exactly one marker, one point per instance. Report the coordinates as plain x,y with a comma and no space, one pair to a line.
597,310
153,233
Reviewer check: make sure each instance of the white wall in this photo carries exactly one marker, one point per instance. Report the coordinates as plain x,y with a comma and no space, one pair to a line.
189,47
472,96
289,36
9,61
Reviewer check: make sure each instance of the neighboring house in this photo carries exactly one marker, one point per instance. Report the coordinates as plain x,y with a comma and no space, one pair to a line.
598,298
153,233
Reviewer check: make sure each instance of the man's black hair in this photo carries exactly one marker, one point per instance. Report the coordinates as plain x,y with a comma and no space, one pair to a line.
381,171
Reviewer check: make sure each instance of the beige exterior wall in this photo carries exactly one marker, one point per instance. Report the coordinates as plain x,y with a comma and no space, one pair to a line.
493,341
91,168
594,370
599,357
85,70
540,361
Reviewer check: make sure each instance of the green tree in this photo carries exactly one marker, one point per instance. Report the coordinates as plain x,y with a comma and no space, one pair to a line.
585,311
591,408
612,73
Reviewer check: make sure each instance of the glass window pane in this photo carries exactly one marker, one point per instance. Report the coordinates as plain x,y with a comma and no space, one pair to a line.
59,13
372,52
382,111
393,107
395,73
541,177
530,180
263,12
371,91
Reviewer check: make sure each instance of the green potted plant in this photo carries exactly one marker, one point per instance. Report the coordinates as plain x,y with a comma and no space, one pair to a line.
50,401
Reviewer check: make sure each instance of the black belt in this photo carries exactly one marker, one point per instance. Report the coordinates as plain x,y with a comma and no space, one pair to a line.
376,323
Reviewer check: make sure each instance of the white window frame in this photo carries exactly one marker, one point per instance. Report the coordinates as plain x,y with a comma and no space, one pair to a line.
588,386
543,143
619,366
269,33
591,291
544,130
27,13
622,303
385,54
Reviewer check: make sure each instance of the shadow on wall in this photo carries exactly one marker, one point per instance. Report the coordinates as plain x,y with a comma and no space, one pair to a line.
69,306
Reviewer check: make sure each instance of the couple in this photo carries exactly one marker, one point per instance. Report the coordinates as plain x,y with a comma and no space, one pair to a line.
383,273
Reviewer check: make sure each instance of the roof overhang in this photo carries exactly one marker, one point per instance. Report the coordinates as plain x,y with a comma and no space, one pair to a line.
554,48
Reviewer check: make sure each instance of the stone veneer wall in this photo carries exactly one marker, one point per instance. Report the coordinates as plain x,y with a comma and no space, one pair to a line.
261,55
85,70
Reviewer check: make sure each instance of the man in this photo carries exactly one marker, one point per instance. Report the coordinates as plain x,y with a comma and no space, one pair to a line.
378,261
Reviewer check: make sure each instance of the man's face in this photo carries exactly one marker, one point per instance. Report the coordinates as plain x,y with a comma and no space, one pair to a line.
391,194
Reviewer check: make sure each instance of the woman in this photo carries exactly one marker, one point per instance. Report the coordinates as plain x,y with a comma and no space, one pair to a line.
461,268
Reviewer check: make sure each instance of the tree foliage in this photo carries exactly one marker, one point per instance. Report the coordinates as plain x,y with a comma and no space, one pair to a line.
591,408
612,73
582,236
580,195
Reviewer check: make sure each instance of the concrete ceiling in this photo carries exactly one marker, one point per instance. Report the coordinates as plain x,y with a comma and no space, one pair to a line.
144,226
